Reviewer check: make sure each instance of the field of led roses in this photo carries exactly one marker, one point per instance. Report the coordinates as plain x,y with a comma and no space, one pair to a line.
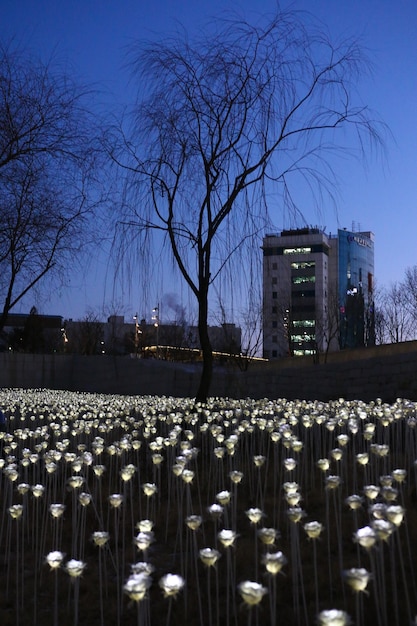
154,510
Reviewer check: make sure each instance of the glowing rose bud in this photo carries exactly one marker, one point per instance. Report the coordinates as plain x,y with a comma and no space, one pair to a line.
100,538
143,540
142,567
145,525
290,464
127,472
84,498
323,464
227,537
332,482
313,529
149,489
171,584
354,502
399,475
383,529
267,535
291,487
75,482
219,452
56,510
293,498
259,460
342,439
157,458
371,491
177,469
357,578
215,511
223,497
251,592
337,454
378,510
137,585
16,511
193,521
255,515
54,559
362,458
235,476
209,556
389,494
274,562
99,470
295,514
395,514
187,476
74,568
115,500
365,537
23,488
38,490
333,617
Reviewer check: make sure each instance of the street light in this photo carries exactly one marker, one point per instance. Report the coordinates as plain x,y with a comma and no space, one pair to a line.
137,333
155,319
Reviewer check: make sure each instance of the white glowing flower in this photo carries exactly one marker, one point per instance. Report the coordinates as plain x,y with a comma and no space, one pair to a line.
227,537
171,584
149,489
313,529
366,537
56,510
209,556
137,585
193,521
357,578
54,559
115,500
16,511
267,535
100,538
75,568
255,515
251,592
143,540
145,525
274,562
223,497
333,617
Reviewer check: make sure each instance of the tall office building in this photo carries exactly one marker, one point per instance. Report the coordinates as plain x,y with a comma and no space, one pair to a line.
317,291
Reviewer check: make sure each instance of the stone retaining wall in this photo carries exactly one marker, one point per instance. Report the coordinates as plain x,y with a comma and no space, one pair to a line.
386,372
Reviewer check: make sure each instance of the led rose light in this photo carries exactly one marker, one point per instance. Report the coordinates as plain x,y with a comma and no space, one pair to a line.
333,617
171,584
252,592
54,559
209,556
357,578
274,562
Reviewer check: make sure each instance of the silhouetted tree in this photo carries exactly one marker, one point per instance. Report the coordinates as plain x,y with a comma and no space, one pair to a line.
220,118
47,167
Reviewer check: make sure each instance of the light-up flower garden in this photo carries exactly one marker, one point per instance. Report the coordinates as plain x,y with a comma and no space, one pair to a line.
148,510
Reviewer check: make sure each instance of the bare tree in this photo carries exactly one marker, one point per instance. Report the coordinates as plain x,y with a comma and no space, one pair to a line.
327,326
221,120
398,319
47,168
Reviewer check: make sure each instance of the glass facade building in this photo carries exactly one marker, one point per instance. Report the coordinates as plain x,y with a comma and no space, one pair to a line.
317,291
355,287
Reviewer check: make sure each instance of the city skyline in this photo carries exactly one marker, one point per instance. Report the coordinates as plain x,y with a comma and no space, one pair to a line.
91,38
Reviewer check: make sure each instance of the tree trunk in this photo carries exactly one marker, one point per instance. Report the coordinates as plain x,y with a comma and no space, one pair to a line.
207,372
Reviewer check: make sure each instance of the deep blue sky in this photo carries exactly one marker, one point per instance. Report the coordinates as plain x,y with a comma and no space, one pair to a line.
92,36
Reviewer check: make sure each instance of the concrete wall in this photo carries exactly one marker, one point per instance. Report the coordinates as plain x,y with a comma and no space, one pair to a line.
385,372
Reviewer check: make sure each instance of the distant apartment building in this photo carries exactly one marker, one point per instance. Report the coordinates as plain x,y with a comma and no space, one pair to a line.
317,291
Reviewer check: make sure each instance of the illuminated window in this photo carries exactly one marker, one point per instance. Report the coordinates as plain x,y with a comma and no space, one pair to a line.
303,323
302,265
306,250
298,280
